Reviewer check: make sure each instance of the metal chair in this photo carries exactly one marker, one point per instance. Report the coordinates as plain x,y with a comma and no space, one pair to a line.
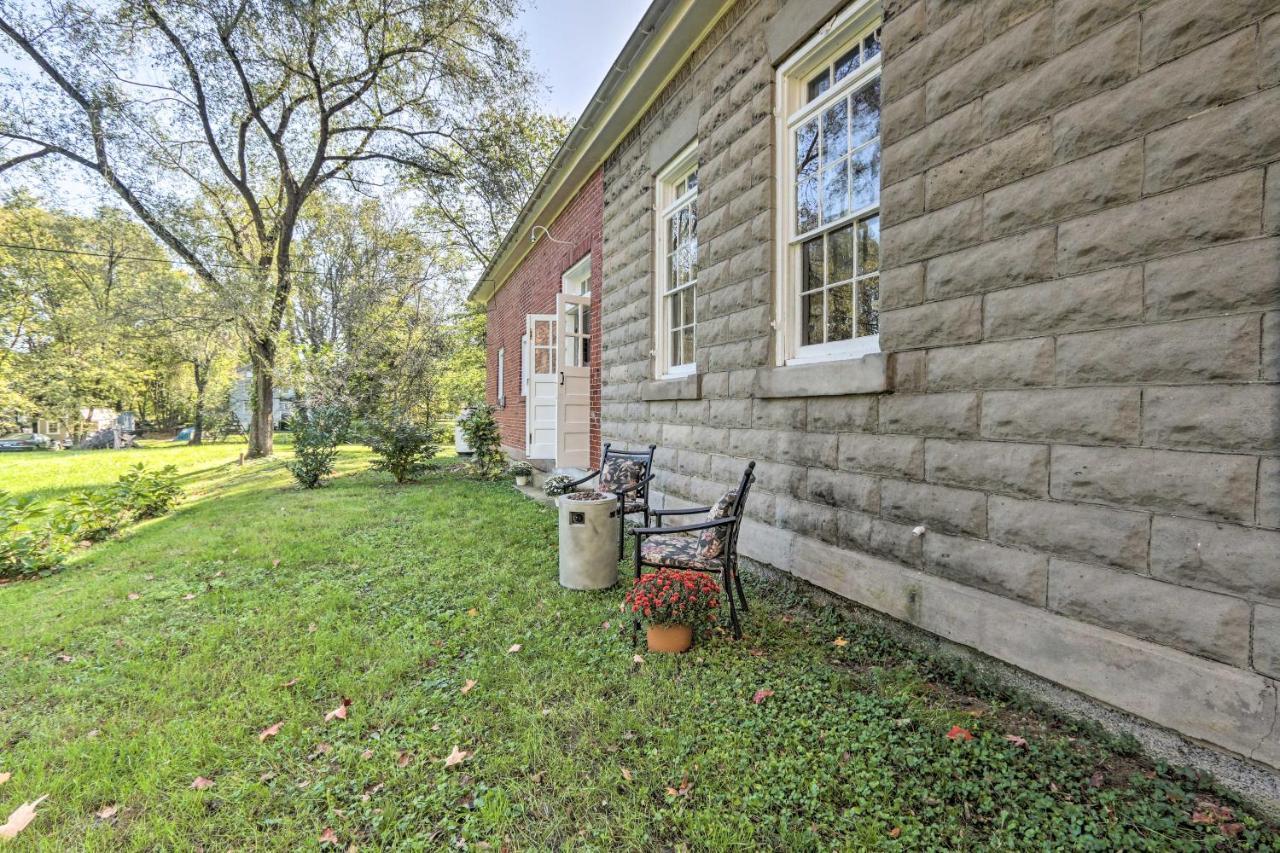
626,474
684,547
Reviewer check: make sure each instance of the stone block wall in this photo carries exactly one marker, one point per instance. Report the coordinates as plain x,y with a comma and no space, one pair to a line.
1081,319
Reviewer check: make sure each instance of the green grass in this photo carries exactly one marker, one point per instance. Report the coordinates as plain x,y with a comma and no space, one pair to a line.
394,596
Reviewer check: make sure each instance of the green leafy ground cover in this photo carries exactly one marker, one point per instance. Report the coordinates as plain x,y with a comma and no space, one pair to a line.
162,656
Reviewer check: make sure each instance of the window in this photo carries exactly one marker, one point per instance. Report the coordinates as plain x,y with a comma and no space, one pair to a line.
502,376
676,282
829,194
524,365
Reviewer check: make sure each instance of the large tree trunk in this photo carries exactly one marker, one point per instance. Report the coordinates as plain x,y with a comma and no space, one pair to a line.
261,418
201,379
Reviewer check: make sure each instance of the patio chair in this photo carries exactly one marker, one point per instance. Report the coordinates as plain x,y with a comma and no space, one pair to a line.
626,474
710,545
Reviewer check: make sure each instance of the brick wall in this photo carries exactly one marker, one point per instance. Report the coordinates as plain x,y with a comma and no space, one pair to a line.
532,289
1081,311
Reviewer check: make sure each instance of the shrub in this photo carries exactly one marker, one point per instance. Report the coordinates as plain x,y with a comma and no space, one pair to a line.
557,485
316,434
403,446
92,516
31,542
141,494
520,469
481,430
675,597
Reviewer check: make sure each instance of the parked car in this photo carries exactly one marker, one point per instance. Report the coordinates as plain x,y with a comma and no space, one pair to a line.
25,441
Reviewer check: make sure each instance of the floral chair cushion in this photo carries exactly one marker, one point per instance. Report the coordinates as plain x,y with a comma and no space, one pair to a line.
711,541
633,506
677,551
619,472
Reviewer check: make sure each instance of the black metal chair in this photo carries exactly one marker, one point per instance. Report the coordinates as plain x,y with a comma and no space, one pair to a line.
625,474
685,547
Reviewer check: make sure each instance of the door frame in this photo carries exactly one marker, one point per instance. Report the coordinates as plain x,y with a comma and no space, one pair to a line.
530,400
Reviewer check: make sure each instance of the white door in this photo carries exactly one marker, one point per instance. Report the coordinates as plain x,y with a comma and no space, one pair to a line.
540,405
573,405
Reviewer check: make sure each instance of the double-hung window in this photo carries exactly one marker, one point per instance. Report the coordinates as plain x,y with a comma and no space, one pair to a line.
502,377
676,291
829,192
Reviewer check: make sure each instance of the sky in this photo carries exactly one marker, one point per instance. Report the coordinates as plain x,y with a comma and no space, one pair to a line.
573,43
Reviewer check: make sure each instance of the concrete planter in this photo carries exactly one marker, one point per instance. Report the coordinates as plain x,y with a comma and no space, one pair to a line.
522,481
588,540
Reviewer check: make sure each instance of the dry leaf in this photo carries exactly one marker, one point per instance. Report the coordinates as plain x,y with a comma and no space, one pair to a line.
761,695
219,574
466,688
201,783
148,577
329,837
515,647
189,596
133,596
340,712
404,759
958,733
367,754
267,777
290,682
840,642
321,749
895,832
18,821
275,564
757,653
92,733
456,757
1095,781
473,612
311,629
106,812
637,659
626,774
605,624
1016,740
270,731
682,791
65,658
5,777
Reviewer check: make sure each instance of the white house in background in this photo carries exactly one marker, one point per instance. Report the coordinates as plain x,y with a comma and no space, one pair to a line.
284,399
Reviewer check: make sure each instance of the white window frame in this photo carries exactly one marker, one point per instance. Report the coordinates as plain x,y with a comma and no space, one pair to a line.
524,365
793,110
502,376
668,201
576,280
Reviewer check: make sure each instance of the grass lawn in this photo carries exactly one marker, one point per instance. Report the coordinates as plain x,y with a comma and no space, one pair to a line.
159,658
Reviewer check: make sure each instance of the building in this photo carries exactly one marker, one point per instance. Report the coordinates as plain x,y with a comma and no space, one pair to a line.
990,291
284,401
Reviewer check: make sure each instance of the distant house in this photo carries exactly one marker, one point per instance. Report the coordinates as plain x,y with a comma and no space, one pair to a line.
285,401
988,289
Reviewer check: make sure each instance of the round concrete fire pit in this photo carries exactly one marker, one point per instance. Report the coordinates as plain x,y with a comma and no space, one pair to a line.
588,540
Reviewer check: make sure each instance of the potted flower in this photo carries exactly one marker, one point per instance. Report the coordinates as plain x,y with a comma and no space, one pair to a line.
557,485
673,603
522,471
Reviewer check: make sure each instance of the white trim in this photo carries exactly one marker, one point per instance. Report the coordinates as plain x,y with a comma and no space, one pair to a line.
524,365
668,201
576,280
502,376
844,31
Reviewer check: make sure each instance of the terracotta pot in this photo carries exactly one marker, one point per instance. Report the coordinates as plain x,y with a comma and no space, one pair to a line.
670,638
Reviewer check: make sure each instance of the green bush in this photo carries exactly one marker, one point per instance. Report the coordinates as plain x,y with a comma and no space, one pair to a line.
92,516
403,446
141,494
317,432
32,542
481,430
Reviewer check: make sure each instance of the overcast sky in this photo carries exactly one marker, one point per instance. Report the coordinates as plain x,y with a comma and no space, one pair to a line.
573,43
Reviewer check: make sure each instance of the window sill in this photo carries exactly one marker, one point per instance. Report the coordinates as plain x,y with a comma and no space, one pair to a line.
678,388
865,374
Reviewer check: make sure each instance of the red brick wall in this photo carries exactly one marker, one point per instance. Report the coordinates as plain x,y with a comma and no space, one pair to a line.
532,289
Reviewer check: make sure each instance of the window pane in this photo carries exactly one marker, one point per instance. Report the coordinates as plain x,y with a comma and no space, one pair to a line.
673,231
811,317
869,245
674,356
811,274
687,348
806,204
693,240
541,333
869,306
807,149
686,313
840,254
847,63
586,319
691,182
671,271
871,45
835,132
673,310
840,313
542,360
819,84
866,175
866,113
835,191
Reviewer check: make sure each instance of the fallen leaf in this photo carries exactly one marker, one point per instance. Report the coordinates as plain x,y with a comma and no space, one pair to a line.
340,712
1095,781
275,564
537,778
605,624
148,577
1232,830
219,574
189,596
290,682
92,733
1016,740
64,658
682,791
626,774
267,777
840,642
958,733
106,812
473,612
270,731
404,759
18,821
515,647
369,791
761,695
466,688
895,832
311,629
367,754
637,658
757,653
133,596
202,783
5,777
329,837
456,757
321,749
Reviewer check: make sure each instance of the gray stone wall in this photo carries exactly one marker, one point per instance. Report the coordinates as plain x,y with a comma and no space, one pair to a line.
1081,311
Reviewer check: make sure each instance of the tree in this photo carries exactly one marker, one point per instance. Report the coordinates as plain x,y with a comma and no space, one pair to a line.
240,111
